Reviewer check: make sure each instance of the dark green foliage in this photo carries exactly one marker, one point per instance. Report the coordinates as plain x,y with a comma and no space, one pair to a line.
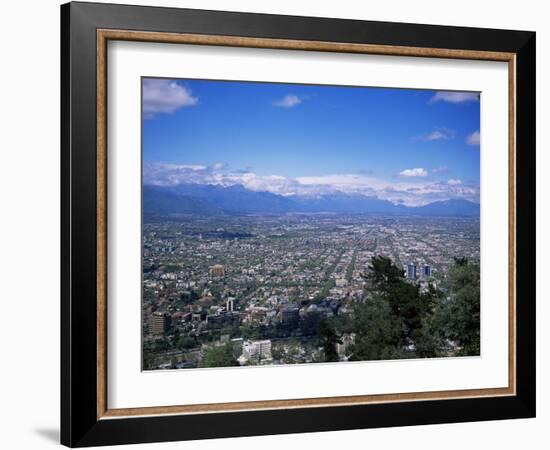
221,356
378,333
186,342
329,339
459,315
189,297
395,321
427,338
399,321
310,324
461,261
262,331
151,348
383,273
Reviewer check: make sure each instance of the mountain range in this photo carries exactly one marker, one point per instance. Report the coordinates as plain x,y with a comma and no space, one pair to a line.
236,199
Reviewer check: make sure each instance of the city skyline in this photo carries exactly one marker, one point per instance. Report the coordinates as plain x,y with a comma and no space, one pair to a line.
410,147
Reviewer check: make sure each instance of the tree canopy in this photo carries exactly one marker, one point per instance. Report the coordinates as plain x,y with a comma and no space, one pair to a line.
459,314
399,320
221,356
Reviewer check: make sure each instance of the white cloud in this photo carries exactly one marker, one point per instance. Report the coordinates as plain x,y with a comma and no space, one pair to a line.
441,169
454,97
165,96
161,174
411,193
218,166
349,183
416,172
339,180
474,138
454,182
440,134
288,101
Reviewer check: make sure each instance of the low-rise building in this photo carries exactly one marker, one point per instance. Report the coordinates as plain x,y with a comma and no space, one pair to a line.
256,350
223,319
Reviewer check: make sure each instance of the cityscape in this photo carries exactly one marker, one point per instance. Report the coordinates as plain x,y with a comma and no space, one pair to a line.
292,259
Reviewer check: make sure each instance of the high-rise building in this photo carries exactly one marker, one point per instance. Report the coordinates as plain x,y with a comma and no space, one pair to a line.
427,270
230,304
159,323
411,271
217,271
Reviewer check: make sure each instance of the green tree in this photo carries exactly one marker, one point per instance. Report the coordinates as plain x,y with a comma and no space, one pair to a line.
378,332
221,356
396,319
404,298
329,338
186,342
189,297
382,273
277,353
428,340
148,358
459,315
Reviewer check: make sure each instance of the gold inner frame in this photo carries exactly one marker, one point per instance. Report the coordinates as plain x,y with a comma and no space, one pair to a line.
104,35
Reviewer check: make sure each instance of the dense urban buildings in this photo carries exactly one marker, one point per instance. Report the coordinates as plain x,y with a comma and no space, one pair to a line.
254,289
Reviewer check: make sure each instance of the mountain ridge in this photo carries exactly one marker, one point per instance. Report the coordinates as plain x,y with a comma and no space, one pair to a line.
210,199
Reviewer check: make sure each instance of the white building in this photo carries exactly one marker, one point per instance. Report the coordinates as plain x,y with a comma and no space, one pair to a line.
257,350
230,304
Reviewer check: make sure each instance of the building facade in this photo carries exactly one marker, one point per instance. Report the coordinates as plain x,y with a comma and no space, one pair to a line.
411,271
257,350
159,323
427,270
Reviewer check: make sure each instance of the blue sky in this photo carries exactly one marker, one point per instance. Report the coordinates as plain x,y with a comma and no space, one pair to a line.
407,146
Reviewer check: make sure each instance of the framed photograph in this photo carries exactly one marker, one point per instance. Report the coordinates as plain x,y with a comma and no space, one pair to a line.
277,224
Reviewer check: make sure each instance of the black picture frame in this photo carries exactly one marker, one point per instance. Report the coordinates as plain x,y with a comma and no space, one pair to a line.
80,425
